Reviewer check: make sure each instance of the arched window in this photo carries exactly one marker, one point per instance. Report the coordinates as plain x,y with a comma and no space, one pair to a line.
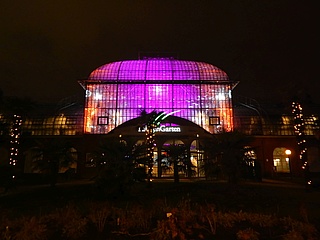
167,164
281,160
250,154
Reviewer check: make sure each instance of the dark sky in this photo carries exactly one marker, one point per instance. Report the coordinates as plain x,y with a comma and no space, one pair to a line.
270,46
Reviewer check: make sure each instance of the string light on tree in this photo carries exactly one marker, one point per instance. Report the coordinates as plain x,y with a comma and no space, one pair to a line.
299,127
153,122
150,141
15,133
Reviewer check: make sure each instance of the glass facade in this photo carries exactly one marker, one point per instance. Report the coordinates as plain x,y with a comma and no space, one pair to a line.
280,125
53,125
120,91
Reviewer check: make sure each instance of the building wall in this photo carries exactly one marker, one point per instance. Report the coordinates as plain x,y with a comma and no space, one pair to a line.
265,146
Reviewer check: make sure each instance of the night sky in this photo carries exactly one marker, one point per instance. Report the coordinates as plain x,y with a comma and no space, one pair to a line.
270,46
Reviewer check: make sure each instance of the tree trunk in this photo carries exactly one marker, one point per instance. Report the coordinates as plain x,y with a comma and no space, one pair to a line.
175,171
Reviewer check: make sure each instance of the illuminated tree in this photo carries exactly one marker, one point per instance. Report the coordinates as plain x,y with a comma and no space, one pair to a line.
14,110
153,121
299,127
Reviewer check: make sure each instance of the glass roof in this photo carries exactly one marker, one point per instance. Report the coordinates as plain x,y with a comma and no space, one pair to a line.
158,69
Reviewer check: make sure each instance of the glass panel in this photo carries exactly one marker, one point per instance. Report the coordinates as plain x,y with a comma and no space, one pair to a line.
184,95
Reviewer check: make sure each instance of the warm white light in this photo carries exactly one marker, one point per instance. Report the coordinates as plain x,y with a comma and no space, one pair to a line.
288,152
98,96
88,93
221,96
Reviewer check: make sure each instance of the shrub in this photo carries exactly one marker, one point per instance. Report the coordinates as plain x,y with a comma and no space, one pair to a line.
184,220
98,214
30,229
247,234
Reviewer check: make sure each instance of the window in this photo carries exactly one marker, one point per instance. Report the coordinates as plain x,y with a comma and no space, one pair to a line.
281,161
103,120
214,120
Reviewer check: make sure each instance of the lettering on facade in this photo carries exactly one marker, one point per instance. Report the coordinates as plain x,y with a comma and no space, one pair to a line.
163,129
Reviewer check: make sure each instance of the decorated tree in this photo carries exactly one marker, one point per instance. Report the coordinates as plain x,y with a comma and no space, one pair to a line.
299,127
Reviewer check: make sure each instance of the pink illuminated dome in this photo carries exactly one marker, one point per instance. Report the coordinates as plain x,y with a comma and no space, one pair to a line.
196,91
158,69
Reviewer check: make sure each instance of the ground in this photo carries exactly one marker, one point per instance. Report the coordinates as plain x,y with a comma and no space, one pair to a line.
280,198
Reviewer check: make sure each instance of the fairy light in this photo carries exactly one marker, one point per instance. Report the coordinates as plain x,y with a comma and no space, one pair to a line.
15,134
152,124
299,127
150,140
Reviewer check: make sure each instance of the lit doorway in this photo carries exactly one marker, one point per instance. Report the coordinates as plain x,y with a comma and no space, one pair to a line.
196,158
281,160
173,155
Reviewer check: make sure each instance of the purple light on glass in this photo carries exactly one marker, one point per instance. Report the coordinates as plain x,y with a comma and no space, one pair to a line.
158,69
195,91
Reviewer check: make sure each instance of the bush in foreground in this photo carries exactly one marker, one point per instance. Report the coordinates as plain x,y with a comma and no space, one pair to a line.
185,220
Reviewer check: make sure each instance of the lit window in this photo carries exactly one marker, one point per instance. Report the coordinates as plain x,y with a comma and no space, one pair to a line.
281,160
214,120
103,120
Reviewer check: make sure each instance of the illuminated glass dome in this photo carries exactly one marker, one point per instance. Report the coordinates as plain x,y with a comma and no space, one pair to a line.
119,91
158,69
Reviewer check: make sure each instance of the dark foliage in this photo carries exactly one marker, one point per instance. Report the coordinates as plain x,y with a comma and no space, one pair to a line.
227,155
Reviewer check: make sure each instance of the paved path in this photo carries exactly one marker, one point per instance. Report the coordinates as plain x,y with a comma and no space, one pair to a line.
265,182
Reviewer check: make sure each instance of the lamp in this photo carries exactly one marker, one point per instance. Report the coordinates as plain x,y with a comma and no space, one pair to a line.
288,153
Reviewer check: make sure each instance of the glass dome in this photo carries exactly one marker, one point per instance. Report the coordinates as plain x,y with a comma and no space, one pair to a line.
119,91
158,69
